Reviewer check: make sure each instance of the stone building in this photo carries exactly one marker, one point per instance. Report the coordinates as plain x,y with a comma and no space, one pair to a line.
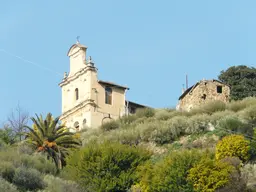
202,92
87,101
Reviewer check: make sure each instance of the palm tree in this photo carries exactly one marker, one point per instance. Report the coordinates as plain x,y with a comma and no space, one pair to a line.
50,137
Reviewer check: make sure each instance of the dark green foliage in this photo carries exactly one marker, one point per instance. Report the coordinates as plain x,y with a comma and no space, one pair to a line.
105,167
111,125
242,80
28,179
7,136
169,173
145,112
2,144
5,186
7,170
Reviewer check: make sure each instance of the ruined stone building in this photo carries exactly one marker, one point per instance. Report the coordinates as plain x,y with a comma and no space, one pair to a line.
202,92
87,101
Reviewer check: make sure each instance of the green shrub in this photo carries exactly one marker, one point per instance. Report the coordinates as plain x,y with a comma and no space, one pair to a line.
240,105
2,144
56,184
233,146
128,119
248,171
197,124
145,112
105,167
129,136
178,125
146,129
209,107
215,117
7,170
250,114
111,125
236,106
233,124
209,175
39,162
28,179
5,186
169,173
164,114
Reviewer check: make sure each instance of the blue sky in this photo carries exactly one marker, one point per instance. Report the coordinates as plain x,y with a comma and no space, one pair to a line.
146,45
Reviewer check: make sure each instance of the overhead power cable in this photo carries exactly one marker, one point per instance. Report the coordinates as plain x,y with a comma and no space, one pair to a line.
31,62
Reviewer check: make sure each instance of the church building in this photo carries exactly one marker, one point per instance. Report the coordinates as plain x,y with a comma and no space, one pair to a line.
87,101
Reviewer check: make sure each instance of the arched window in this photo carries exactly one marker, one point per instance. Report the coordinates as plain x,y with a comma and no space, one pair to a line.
84,122
108,95
76,94
76,125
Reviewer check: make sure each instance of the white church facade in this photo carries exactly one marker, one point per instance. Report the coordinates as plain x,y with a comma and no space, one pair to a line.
86,100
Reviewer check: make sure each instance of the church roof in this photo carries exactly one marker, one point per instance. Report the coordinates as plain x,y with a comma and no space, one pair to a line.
112,84
135,104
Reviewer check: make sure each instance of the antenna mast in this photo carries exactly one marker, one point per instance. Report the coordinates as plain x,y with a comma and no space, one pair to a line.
186,81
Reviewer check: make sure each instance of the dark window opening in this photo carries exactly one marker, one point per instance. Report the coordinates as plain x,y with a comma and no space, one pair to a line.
204,96
76,125
219,89
76,94
84,122
132,110
108,95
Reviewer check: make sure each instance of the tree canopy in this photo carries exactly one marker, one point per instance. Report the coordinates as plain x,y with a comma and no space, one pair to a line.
241,79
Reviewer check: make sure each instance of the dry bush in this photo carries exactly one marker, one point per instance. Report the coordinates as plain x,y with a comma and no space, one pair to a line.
28,179
7,170
209,108
56,184
111,125
164,114
145,112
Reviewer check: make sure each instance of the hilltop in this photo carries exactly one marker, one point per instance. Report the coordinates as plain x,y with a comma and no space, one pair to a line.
152,150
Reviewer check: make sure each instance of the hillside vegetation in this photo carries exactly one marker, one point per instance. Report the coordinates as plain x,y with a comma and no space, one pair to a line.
211,148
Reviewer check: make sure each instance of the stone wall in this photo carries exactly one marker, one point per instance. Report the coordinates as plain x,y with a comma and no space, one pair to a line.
204,92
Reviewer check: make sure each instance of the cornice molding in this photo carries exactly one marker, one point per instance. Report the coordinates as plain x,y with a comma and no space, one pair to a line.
76,75
77,107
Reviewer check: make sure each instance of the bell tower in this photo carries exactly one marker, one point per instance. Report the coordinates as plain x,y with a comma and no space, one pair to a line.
77,57
77,88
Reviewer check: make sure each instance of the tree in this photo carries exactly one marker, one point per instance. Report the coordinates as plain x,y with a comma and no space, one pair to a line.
7,135
46,135
241,79
17,121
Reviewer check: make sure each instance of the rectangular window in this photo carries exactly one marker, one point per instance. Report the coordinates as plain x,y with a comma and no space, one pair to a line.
219,89
108,95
